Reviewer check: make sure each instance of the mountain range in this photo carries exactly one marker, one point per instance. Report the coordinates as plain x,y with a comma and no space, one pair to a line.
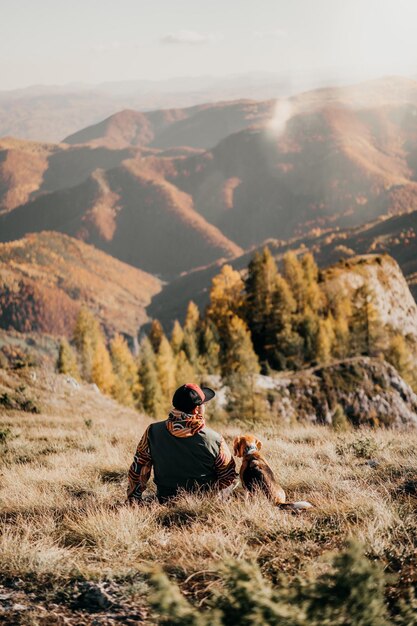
49,113
178,192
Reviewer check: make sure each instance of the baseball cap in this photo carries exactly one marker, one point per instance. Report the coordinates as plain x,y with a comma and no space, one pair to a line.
188,396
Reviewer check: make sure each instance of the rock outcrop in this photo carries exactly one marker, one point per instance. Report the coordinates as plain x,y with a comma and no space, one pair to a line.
368,390
385,286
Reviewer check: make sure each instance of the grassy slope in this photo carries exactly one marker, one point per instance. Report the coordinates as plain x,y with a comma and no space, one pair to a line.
63,519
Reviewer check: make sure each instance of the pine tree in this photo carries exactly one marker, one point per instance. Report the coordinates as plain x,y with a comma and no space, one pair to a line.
284,346
239,356
260,286
184,371
315,298
400,356
155,335
177,337
342,312
67,360
325,340
95,360
191,334
209,349
152,394
240,371
309,329
127,389
288,353
365,327
102,371
226,299
86,336
166,369
295,277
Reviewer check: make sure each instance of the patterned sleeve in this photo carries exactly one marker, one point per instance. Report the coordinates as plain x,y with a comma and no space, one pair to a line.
225,466
140,470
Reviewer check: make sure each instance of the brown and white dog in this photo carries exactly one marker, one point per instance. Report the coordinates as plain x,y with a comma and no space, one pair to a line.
256,474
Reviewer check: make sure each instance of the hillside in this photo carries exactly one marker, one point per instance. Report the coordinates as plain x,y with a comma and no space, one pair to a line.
72,552
133,215
29,169
331,168
46,277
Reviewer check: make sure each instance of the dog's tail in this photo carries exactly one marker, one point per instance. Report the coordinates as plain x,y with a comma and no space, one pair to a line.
296,506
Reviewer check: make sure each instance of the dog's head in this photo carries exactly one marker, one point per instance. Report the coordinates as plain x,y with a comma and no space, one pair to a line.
244,443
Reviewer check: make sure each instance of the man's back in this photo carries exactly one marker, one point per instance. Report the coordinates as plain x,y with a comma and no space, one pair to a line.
183,462
183,451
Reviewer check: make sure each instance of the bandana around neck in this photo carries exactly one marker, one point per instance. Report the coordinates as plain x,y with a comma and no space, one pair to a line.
183,424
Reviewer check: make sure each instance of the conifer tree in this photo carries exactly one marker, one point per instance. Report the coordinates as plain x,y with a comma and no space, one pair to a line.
309,326
295,277
177,337
166,369
67,360
95,360
102,371
239,357
260,286
152,395
155,335
400,356
209,349
365,326
184,372
342,312
127,388
284,344
226,299
86,336
325,340
191,334
240,371
314,297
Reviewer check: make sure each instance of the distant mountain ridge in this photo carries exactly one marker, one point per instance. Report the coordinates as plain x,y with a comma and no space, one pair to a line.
48,113
201,126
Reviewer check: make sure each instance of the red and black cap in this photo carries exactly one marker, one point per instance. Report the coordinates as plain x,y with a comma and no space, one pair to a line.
188,396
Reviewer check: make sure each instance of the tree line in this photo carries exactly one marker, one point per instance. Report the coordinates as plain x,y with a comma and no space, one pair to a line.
256,322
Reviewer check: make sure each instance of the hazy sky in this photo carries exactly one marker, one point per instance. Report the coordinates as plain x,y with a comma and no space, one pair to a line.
61,41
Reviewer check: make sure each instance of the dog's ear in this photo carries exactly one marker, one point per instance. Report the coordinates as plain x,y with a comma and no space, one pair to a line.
258,444
236,446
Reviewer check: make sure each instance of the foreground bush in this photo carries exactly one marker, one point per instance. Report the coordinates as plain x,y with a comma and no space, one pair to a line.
352,593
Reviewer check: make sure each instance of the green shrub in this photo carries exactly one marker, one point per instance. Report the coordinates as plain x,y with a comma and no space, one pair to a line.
5,434
340,422
350,594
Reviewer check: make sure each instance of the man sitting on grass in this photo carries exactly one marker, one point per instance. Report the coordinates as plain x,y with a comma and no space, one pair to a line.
184,453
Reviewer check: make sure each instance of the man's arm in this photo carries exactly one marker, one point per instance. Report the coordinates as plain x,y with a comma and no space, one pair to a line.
140,470
225,467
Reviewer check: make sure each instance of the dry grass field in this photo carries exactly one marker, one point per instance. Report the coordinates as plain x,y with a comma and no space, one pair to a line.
72,552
